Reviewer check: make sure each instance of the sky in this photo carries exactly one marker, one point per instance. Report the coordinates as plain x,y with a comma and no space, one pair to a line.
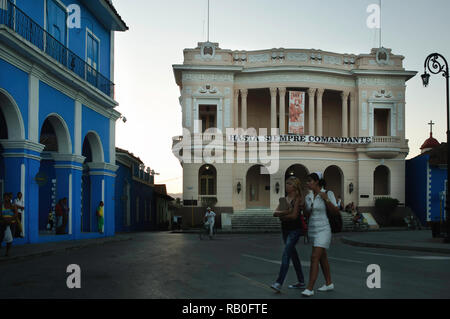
160,30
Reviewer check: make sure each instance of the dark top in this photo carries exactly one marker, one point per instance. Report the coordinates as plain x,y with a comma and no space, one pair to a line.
295,224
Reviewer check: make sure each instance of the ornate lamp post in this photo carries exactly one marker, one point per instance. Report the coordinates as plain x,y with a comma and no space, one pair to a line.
435,63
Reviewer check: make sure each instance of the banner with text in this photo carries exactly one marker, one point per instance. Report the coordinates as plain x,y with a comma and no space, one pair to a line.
296,112
301,139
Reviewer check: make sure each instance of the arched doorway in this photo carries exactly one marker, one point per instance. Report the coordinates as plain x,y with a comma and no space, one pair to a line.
54,135
91,193
207,184
299,171
257,188
381,181
334,178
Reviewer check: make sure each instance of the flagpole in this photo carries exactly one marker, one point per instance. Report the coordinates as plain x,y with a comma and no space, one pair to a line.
208,22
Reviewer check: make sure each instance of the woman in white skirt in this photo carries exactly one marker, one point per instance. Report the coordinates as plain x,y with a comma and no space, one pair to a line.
319,231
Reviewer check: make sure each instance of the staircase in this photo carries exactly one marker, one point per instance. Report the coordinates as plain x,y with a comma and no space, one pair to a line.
347,223
255,220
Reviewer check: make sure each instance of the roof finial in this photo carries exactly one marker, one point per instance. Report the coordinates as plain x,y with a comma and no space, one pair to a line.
431,127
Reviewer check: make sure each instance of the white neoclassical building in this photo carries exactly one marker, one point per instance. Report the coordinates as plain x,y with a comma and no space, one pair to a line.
346,97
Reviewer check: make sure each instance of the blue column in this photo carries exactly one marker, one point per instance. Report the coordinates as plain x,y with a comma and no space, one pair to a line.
68,170
22,162
102,177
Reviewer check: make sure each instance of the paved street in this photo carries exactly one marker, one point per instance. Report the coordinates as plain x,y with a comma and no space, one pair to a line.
168,265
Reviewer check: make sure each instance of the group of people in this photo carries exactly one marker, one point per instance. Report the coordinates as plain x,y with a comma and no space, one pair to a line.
12,211
11,219
306,214
357,217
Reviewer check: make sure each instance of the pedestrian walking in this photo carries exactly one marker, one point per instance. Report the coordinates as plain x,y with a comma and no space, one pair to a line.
8,220
20,206
210,218
289,211
319,231
100,216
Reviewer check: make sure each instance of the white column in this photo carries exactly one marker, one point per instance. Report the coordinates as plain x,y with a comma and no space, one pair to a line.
344,96
273,109
319,130
33,108
220,114
77,128
244,94
353,114
311,94
236,109
195,115
282,94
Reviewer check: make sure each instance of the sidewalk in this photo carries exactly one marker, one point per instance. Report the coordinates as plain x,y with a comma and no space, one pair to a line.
417,240
37,250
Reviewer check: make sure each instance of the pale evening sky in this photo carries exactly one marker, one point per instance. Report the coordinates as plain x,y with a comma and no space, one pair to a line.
160,30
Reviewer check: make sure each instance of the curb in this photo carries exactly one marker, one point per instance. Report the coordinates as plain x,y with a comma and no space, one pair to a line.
62,249
399,247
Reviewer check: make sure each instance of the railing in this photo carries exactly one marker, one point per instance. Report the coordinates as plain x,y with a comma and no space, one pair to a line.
386,139
15,19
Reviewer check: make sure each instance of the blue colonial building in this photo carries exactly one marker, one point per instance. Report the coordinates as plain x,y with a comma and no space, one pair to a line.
140,204
57,111
426,180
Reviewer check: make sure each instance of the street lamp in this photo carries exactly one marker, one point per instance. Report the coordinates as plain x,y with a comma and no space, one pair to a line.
436,63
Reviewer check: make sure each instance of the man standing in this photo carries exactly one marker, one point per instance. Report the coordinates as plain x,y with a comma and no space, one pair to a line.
100,216
20,205
210,218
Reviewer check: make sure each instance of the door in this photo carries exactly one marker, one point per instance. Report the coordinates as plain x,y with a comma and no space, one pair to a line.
56,26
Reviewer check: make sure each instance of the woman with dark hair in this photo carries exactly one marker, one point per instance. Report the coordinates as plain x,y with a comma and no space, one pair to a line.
291,229
319,231
8,219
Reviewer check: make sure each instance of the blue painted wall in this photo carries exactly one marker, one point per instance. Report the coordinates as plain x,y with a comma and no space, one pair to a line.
415,187
438,177
53,101
15,82
137,189
34,9
93,121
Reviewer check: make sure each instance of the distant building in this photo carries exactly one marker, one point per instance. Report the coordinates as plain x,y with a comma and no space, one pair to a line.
341,97
426,180
57,112
139,203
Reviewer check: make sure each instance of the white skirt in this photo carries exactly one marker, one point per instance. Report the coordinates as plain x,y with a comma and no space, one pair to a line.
320,236
8,238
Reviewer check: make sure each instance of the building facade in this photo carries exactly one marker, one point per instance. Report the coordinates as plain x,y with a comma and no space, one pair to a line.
426,183
57,115
347,96
140,205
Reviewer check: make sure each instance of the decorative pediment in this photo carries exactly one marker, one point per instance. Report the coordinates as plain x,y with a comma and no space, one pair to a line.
382,94
208,89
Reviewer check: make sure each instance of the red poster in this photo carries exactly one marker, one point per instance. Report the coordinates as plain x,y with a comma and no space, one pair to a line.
296,112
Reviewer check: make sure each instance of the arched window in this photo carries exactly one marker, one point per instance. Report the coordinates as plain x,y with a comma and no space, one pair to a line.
207,180
381,181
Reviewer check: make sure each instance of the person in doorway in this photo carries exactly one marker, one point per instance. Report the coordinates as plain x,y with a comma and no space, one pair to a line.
62,216
210,218
317,202
339,203
8,220
20,206
291,229
100,216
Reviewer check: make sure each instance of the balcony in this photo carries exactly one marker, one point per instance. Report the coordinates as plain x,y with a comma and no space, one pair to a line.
386,147
16,20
